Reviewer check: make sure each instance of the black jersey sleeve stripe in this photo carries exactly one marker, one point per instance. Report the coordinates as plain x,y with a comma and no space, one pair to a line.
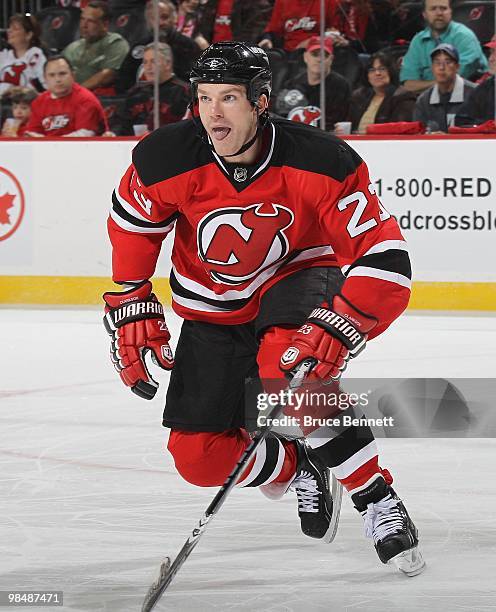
392,260
121,212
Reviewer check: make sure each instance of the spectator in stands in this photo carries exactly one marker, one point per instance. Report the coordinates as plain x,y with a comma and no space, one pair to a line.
364,25
437,106
173,94
381,100
293,23
480,106
98,54
307,84
20,98
235,19
416,73
66,108
184,50
188,21
22,63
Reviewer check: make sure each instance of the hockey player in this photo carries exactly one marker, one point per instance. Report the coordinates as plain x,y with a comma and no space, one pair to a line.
268,215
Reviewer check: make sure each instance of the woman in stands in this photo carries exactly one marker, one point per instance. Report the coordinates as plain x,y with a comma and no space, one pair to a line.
22,63
188,21
381,100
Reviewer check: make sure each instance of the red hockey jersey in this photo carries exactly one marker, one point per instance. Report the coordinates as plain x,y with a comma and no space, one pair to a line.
238,229
297,20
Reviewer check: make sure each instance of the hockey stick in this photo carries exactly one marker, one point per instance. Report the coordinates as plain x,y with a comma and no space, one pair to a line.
167,569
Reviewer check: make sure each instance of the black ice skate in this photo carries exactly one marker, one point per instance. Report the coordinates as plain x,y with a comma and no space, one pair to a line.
387,522
312,488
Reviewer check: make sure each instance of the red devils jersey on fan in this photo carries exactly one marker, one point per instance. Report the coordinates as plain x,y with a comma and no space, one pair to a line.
222,26
296,20
307,202
25,70
80,110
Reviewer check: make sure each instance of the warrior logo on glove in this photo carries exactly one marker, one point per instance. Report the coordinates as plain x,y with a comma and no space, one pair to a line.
331,337
135,321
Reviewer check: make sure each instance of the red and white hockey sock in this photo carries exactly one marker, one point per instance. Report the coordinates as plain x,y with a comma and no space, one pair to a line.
275,462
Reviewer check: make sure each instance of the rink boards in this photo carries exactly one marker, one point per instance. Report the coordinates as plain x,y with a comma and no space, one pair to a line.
55,195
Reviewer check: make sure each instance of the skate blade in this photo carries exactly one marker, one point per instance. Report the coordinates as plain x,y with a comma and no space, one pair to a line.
337,497
410,562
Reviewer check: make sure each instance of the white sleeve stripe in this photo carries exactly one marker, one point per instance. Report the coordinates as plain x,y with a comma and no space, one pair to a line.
129,209
197,304
392,277
137,228
387,245
257,466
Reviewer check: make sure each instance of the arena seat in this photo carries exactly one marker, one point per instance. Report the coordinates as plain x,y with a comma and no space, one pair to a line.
279,65
59,26
478,15
130,24
347,63
406,21
112,106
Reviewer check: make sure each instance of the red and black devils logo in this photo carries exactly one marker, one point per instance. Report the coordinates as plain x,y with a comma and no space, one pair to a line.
14,74
305,114
236,244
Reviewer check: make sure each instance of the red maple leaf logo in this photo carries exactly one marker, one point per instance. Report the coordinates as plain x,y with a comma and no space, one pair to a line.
6,202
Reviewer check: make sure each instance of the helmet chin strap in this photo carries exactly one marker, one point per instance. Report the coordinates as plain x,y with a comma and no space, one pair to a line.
206,139
248,144
251,142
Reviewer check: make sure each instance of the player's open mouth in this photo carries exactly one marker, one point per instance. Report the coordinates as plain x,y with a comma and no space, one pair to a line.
219,133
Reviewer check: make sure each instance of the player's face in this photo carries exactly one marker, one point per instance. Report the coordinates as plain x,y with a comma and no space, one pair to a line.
444,68
437,13
227,115
21,111
91,25
59,78
378,75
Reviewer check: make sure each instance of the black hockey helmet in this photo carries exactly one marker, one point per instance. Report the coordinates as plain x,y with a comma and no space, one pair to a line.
237,63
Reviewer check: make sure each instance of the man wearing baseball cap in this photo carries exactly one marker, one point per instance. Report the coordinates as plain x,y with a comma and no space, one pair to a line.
437,106
416,73
480,106
300,98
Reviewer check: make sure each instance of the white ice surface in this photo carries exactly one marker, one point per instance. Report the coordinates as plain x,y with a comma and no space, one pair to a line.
90,502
